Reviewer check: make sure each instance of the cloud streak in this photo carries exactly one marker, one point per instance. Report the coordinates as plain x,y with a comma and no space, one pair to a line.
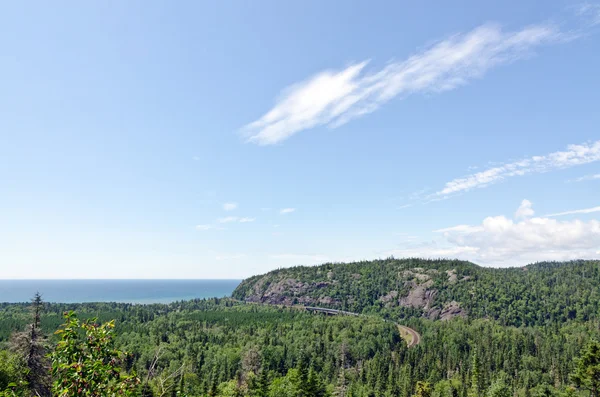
574,155
284,211
586,178
573,212
229,206
334,97
590,12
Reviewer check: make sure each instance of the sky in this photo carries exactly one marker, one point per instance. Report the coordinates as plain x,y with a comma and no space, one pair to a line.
149,139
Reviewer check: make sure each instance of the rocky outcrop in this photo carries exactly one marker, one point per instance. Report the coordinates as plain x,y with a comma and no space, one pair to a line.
280,292
452,277
419,296
392,295
418,288
449,311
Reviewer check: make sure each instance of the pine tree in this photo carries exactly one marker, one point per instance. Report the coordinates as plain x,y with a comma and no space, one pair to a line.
499,388
475,390
587,372
30,344
263,384
315,387
422,390
342,386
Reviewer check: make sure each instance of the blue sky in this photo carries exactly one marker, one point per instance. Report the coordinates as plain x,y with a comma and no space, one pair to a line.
198,140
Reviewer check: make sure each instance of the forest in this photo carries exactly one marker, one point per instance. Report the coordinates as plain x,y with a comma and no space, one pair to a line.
517,332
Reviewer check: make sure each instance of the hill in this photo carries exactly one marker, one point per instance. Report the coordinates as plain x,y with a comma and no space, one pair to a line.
537,294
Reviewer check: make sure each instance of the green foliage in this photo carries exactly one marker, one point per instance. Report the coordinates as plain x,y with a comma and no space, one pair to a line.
499,388
223,347
12,369
12,374
85,363
536,295
423,389
587,372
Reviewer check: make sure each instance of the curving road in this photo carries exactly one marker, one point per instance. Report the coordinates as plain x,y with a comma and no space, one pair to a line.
404,330
415,336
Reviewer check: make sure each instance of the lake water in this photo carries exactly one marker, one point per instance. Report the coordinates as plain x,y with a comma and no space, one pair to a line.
126,291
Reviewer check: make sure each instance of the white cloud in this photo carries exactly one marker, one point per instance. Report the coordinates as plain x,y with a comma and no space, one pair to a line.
334,97
591,12
228,219
458,229
574,155
586,178
572,212
525,210
500,241
284,211
246,220
204,227
230,206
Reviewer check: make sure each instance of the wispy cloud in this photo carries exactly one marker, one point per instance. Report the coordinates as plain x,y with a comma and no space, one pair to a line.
204,227
590,12
246,220
586,178
574,155
284,211
334,97
228,219
457,229
572,212
230,206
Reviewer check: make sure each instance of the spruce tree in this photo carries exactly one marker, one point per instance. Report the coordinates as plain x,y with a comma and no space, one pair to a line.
587,372
30,345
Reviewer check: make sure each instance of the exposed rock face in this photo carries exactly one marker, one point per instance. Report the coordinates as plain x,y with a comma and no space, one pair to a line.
450,310
327,300
289,291
419,295
389,297
280,292
452,277
410,287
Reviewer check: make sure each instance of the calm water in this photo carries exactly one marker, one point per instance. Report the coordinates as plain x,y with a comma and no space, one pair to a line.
130,291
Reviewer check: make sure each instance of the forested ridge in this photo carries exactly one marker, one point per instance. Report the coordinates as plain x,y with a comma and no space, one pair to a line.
514,332
538,294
